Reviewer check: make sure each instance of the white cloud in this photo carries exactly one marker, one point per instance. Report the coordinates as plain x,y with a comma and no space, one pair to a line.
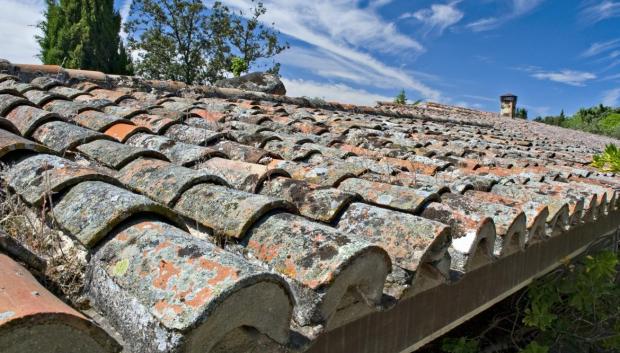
335,67
517,8
612,97
484,24
375,4
124,12
569,77
331,92
481,98
611,77
438,17
341,21
18,20
341,31
601,47
521,7
600,11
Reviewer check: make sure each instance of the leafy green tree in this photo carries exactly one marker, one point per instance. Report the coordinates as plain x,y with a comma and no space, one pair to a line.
252,40
188,41
83,34
170,38
401,98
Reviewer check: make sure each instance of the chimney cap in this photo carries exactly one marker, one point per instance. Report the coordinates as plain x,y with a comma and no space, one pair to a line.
507,95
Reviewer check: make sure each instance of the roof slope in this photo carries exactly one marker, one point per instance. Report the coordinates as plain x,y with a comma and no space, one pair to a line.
206,211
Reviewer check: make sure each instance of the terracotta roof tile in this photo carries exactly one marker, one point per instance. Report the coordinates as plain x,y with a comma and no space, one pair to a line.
61,136
43,175
282,191
162,181
186,287
91,209
27,118
116,155
10,142
228,212
178,152
27,309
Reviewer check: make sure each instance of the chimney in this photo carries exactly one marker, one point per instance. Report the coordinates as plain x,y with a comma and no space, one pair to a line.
508,107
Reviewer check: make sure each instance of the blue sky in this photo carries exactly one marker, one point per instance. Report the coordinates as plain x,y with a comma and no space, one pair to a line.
553,54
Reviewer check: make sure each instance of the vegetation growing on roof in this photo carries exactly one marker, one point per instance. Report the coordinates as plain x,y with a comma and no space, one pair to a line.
238,66
574,309
609,160
401,98
65,263
189,41
601,119
83,34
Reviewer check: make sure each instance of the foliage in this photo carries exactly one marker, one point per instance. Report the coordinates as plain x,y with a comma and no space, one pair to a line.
521,113
401,98
600,119
460,345
609,160
83,34
574,309
238,66
252,40
188,41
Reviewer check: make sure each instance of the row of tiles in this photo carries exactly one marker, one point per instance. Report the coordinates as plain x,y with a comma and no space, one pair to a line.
299,121
170,185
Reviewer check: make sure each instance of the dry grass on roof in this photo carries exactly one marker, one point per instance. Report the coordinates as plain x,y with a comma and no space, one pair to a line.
64,262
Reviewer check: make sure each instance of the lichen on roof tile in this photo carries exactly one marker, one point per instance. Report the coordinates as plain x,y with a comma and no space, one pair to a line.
10,142
96,120
61,136
8,102
114,154
228,212
320,204
396,197
162,181
193,135
188,287
43,175
178,152
243,176
319,258
27,118
408,239
91,209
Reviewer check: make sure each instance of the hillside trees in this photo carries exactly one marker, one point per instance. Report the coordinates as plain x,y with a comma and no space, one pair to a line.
521,113
188,41
599,119
83,34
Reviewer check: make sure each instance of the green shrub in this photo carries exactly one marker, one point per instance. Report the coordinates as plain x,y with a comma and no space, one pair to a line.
574,309
401,98
238,66
609,160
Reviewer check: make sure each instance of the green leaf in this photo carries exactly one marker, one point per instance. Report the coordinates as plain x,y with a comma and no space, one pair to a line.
534,347
460,345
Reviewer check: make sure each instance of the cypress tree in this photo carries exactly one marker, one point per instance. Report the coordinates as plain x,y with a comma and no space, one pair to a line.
83,34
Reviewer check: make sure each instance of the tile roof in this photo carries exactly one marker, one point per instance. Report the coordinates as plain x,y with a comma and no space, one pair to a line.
208,210
27,309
